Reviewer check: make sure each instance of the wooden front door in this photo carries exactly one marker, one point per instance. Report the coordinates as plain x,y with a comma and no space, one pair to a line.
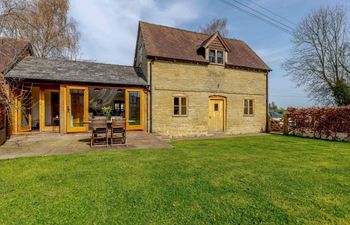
216,115
77,109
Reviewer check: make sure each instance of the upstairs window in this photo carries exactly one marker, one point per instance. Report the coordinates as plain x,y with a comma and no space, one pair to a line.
216,56
212,56
180,106
220,57
248,107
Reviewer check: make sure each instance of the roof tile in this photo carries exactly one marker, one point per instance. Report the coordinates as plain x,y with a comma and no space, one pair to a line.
173,43
76,71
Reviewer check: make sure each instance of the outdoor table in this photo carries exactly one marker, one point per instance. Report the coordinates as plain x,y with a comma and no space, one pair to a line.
109,122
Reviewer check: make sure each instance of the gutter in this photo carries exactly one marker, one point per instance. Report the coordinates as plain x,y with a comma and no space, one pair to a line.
150,98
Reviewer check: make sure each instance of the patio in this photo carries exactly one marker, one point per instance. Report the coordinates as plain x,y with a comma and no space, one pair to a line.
42,144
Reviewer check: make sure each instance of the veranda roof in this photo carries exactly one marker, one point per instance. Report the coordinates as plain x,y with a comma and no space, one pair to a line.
39,69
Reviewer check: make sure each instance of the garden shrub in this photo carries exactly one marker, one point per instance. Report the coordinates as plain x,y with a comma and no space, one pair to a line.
327,122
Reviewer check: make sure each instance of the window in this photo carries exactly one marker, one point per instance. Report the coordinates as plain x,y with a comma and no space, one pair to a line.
248,107
216,107
216,56
180,106
220,57
212,56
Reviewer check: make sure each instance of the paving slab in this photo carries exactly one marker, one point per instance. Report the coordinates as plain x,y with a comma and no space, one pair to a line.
43,144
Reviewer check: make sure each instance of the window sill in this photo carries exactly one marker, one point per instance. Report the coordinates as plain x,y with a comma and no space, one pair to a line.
217,64
180,115
248,115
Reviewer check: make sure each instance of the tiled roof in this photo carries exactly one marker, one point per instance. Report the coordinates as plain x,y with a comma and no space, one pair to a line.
10,50
76,71
173,43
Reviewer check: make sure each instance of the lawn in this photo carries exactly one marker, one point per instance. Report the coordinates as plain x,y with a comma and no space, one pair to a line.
243,180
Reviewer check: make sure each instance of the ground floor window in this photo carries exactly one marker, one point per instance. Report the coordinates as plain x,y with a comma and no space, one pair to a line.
102,98
125,103
248,107
180,106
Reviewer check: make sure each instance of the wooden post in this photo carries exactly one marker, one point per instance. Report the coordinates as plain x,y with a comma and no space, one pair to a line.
268,128
286,124
63,109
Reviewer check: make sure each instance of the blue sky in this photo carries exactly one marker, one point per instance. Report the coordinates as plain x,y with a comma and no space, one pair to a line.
108,31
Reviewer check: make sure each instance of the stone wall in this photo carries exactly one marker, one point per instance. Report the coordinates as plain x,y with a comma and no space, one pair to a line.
198,83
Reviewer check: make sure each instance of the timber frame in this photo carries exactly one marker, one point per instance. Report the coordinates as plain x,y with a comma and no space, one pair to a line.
63,90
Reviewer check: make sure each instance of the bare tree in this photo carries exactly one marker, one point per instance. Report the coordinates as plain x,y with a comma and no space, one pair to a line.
13,90
45,23
214,26
320,58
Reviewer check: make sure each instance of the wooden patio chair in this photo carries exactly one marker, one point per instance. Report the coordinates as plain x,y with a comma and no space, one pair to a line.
116,118
99,133
118,131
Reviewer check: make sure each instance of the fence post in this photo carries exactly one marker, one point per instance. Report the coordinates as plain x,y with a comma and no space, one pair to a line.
286,124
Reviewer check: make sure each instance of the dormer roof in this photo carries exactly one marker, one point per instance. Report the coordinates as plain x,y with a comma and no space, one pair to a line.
206,43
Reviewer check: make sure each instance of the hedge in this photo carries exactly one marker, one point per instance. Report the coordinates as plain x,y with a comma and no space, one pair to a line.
327,122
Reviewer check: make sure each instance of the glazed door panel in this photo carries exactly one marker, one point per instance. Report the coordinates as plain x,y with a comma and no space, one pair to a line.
49,110
77,109
24,108
134,101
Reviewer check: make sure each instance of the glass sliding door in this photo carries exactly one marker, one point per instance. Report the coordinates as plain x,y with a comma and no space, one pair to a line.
77,109
134,109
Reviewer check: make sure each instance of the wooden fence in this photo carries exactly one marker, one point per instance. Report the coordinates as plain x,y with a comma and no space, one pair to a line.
278,124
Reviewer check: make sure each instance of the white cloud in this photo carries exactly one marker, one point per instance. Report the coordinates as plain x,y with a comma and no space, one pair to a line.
108,28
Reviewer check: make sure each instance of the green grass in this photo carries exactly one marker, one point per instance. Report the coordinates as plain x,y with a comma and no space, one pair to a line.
243,180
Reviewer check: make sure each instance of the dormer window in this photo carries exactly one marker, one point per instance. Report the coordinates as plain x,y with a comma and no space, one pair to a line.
212,56
211,46
220,57
216,56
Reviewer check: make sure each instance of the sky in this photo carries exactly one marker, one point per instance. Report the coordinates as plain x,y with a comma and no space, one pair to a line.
108,30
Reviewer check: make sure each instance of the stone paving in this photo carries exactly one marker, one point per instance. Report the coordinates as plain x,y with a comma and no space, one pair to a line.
42,144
